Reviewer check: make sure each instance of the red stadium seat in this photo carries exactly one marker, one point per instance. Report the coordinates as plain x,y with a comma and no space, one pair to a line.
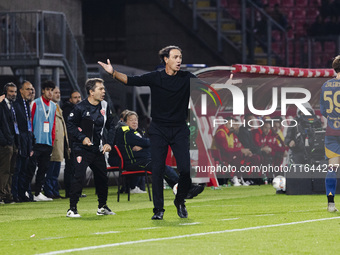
290,34
273,2
123,173
317,47
235,13
277,47
224,3
290,47
276,35
300,29
316,3
300,14
233,4
330,47
289,14
301,3
312,13
287,3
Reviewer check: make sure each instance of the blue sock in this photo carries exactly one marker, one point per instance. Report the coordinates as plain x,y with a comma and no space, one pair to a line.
330,183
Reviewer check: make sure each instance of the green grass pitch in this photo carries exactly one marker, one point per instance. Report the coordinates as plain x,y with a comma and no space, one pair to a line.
232,220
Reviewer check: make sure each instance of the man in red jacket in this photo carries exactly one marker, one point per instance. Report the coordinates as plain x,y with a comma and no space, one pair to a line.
232,151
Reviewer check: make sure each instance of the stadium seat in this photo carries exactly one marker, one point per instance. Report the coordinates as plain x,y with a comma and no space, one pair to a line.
277,47
312,13
317,47
301,3
290,47
299,14
276,35
316,3
124,173
300,28
287,3
233,4
290,34
235,13
273,2
289,14
330,47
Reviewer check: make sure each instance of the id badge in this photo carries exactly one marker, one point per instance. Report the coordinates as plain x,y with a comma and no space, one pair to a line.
46,127
16,128
29,126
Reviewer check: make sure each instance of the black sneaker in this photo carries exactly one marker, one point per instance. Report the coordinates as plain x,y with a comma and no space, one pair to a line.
9,201
73,213
181,209
105,210
158,214
194,191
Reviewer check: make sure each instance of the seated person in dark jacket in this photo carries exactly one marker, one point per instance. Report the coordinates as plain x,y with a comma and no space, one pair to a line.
135,149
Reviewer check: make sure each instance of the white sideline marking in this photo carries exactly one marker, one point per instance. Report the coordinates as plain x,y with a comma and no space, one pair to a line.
263,215
210,205
184,236
301,211
52,238
188,224
105,233
147,228
231,219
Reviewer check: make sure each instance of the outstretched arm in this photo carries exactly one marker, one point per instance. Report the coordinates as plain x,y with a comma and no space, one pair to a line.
116,75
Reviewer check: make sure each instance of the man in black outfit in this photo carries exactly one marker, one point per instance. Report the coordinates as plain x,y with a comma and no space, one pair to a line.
85,125
9,142
23,112
67,107
170,91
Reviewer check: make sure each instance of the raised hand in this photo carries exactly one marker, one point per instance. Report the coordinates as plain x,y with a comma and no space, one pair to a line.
107,67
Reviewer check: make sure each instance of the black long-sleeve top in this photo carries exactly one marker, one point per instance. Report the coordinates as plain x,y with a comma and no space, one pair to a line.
169,95
96,113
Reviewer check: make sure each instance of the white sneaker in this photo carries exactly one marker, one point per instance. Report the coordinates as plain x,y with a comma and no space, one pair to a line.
41,197
137,190
331,207
243,182
72,213
105,210
235,181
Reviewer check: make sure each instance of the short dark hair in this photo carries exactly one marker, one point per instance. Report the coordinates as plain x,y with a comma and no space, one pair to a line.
91,84
48,84
336,64
23,83
166,51
7,85
73,91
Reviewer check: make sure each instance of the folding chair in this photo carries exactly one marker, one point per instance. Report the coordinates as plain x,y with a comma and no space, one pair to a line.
124,173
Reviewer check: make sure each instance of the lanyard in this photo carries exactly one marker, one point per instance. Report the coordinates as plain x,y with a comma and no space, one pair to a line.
43,105
29,128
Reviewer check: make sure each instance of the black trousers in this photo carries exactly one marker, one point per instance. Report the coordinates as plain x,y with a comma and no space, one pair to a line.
68,173
178,138
96,161
41,158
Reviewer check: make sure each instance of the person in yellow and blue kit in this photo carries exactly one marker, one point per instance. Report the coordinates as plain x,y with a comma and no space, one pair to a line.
330,109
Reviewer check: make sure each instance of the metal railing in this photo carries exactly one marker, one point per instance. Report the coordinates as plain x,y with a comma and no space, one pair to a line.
247,23
42,35
266,39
